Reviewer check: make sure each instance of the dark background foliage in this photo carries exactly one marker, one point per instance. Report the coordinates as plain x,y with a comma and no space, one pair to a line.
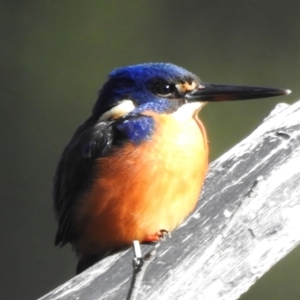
55,55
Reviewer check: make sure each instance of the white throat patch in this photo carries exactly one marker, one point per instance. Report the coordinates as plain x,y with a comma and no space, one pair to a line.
187,111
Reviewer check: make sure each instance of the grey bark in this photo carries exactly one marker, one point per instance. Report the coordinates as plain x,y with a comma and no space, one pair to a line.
247,220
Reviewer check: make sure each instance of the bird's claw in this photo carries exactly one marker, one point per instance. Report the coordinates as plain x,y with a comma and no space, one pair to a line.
158,236
164,234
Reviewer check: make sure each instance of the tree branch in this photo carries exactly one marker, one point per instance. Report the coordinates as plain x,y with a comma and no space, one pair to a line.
246,221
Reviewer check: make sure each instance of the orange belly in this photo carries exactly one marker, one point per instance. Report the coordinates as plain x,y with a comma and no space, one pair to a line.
142,189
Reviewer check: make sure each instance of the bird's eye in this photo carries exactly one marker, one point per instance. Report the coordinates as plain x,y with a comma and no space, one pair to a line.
164,89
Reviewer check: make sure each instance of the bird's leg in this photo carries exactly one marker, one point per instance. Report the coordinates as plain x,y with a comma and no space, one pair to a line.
157,236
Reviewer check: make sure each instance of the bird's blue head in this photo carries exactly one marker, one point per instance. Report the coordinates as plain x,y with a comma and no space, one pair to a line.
153,86
161,88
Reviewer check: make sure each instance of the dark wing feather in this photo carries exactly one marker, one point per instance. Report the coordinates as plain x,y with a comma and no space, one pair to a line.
75,173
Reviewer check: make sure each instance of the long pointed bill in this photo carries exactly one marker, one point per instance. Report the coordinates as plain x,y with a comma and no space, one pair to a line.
218,92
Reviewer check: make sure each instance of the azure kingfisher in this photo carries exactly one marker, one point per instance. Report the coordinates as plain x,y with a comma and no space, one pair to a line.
134,169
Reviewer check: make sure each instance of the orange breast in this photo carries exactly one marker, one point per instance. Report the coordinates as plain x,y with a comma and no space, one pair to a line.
142,189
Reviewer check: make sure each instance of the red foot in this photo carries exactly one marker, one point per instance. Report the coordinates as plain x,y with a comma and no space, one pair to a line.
159,235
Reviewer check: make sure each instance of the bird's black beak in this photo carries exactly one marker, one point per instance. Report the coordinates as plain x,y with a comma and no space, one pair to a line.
218,92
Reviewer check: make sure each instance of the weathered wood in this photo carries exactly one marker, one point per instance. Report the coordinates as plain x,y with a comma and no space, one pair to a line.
248,219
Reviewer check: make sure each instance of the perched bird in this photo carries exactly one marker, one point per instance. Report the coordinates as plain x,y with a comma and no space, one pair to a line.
134,169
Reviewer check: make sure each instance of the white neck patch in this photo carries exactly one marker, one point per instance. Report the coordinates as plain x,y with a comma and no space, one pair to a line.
123,108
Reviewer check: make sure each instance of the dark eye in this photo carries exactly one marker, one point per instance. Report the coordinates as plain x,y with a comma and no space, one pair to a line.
164,89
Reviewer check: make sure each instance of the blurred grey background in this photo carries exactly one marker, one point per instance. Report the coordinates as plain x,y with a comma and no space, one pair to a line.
55,55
